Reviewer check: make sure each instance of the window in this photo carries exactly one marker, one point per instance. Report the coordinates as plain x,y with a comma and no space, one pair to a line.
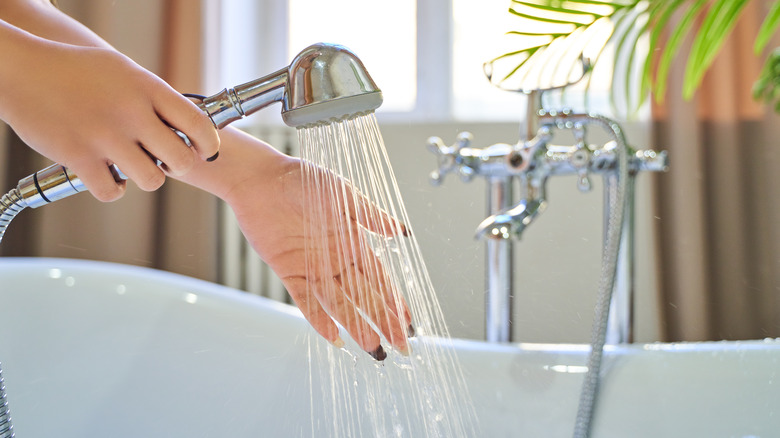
478,31
382,34
425,55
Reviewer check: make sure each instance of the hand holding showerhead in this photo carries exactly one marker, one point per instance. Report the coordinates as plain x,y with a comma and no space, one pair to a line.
324,83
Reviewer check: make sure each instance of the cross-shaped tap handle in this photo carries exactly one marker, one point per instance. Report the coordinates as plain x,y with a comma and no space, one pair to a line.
450,159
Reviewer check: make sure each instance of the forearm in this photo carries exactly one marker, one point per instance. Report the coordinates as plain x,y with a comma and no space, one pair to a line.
29,54
41,18
26,28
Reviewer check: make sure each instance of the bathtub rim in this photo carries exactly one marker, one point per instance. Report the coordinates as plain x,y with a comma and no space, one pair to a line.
470,346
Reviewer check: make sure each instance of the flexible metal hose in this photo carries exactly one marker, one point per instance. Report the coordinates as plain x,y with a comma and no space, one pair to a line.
6,427
10,205
609,264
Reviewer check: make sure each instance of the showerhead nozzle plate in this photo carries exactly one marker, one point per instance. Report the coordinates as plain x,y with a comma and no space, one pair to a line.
326,83
332,110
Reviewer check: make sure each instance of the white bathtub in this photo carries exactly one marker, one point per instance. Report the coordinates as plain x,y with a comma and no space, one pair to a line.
100,350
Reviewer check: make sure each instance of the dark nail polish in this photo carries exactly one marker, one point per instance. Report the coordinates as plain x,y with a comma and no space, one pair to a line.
213,157
405,231
378,354
410,331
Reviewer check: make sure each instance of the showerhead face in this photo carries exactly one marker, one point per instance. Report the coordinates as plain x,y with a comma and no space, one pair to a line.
327,83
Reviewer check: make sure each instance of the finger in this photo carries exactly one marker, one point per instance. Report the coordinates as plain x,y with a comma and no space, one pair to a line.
357,287
312,310
139,166
372,217
335,302
362,255
380,282
180,113
100,181
360,209
165,145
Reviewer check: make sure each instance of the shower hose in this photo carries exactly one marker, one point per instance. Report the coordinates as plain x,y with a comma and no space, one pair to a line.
10,205
590,386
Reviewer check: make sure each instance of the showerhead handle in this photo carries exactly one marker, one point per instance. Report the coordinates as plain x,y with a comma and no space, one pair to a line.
57,181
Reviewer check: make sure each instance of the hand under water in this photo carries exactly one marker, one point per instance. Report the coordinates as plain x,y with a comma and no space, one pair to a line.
269,201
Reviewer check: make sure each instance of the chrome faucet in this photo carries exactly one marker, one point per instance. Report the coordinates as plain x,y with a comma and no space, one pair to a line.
533,160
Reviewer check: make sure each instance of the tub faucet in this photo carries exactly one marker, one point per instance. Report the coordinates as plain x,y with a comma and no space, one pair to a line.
532,161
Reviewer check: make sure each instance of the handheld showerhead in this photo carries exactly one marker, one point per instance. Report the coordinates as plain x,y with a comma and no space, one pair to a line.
324,83
327,83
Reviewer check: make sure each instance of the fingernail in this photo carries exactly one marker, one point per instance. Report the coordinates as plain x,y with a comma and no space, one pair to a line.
410,332
378,354
213,157
405,350
338,343
405,231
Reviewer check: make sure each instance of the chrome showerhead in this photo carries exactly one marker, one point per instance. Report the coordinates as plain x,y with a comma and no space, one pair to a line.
324,83
327,83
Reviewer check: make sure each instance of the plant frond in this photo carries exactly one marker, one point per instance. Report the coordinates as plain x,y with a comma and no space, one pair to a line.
566,24
720,20
659,17
562,22
768,28
543,19
592,15
631,34
685,25
767,86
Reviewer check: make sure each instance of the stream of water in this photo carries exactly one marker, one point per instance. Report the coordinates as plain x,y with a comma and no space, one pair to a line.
355,213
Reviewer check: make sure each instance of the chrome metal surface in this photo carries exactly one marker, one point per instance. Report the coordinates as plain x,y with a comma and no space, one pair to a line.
235,103
324,83
10,205
620,329
327,82
48,185
499,268
6,425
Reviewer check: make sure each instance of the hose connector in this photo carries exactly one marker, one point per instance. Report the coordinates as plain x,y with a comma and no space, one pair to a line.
48,185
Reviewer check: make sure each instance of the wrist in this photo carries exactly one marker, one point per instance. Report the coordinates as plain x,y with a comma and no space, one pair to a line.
246,167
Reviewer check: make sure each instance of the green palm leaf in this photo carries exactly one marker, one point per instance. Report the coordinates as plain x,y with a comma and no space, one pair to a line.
627,24
720,20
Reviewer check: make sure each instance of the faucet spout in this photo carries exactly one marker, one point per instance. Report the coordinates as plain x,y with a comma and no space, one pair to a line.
512,222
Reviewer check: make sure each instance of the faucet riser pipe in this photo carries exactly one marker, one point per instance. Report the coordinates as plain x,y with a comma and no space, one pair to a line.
499,267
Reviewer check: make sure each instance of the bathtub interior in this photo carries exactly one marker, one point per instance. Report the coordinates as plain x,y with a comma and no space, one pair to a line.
96,349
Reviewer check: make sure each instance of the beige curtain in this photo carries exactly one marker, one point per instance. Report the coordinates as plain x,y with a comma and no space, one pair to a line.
172,229
719,205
